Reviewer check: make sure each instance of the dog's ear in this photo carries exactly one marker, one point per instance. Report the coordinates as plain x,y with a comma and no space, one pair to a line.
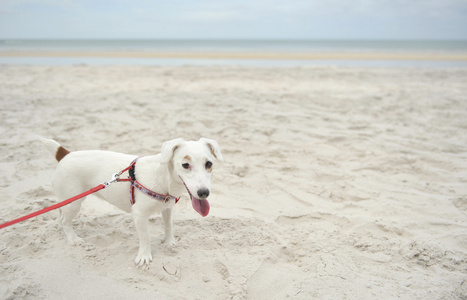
168,149
214,147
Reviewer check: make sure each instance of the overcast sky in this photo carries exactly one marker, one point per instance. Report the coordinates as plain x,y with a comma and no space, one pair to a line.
234,19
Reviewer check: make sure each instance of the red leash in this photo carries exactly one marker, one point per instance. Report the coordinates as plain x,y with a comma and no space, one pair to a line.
115,178
55,206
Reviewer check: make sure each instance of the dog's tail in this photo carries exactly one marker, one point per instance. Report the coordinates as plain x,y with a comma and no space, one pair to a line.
55,148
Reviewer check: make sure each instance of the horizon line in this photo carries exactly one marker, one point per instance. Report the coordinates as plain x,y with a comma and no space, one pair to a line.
243,39
417,56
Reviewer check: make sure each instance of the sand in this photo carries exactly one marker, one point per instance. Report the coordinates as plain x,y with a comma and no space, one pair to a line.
338,183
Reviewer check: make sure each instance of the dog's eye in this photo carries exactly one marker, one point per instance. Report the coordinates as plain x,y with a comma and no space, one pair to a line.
186,165
208,165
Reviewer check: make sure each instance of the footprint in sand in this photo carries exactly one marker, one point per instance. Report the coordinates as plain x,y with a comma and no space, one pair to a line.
274,278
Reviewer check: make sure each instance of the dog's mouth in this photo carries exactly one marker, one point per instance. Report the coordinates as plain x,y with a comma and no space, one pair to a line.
200,205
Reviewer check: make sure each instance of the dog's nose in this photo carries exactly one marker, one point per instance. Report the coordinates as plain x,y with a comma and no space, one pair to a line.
203,193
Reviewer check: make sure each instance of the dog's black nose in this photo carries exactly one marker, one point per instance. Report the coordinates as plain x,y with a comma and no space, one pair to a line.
203,193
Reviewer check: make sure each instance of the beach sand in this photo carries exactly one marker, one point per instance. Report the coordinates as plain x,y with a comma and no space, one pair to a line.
338,183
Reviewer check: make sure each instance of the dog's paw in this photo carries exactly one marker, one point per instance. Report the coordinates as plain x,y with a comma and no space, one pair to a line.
142,261
75,241
169,242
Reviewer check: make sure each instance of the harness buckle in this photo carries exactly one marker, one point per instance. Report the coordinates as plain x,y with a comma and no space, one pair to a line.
115,178
167,198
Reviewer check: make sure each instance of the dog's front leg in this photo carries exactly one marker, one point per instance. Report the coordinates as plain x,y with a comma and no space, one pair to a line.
167,215
144,256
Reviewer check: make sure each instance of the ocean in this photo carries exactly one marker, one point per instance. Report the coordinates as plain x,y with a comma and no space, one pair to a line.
285,47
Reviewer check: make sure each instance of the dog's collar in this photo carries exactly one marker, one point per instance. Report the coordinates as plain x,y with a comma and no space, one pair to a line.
142,188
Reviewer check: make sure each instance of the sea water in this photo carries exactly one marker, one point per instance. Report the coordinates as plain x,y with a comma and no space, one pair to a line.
231,46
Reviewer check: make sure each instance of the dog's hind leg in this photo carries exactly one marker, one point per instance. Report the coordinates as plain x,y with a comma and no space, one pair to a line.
67,214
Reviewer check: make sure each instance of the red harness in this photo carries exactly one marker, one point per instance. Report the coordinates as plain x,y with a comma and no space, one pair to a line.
139,186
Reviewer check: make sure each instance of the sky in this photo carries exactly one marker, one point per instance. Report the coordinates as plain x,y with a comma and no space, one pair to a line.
234,19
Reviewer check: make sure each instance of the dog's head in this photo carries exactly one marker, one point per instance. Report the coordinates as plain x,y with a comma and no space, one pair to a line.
193,163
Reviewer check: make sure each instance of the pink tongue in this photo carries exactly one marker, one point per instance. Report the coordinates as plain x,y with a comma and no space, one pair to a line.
201,206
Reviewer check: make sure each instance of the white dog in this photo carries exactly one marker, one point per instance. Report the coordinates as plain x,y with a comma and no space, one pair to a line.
160,180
